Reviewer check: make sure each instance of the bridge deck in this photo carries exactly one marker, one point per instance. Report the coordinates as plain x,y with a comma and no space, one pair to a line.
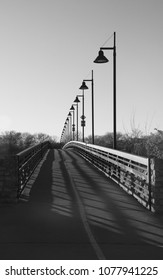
73,211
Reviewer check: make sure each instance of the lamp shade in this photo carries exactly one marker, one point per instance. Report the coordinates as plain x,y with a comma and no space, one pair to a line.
101,58
76,100
69,114
83,86
72,108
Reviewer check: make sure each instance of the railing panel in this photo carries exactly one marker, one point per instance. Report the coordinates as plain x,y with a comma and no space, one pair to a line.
27,161
131,172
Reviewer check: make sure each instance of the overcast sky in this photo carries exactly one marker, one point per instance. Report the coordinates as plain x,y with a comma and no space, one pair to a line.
47,48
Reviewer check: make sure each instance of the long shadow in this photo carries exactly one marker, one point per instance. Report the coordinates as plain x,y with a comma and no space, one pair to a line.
46,226
41,190
25,223
142,239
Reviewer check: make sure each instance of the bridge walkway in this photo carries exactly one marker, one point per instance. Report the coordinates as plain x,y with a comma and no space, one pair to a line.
70,210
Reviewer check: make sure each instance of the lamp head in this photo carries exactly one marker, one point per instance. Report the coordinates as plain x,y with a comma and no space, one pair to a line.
76,100
72,108
101,58
69,114
83,86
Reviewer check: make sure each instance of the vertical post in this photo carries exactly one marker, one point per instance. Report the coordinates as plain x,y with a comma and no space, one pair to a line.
92,109
114,94
149,185
73,127
77,121
83,115
67,136
70,128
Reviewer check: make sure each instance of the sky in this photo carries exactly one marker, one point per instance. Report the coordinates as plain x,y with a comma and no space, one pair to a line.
47,48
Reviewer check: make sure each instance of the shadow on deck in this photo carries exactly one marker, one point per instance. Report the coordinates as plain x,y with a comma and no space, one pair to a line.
47,224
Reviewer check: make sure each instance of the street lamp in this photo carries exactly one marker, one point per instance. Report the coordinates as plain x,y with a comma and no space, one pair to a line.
102,59
76,101
83,87
81,95
70,124
67,127
73,124
63,133
61,137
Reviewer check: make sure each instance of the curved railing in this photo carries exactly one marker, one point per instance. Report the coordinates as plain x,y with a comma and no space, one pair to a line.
131,172
27,161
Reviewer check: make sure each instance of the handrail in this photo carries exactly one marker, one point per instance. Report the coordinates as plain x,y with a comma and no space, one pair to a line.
131,172
27,161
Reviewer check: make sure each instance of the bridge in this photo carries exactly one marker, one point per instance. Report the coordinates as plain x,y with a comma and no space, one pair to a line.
83,202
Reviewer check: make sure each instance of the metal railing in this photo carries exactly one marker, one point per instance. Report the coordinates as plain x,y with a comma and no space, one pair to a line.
27,161
131,172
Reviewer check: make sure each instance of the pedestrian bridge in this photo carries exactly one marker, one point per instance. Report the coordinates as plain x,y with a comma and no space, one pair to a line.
82,202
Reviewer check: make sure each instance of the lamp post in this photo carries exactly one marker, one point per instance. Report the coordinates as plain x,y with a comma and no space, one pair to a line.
63,133
68,131
67,127
81,95
83,87
92,82
70,124
102,59
76,101
61,137
73,124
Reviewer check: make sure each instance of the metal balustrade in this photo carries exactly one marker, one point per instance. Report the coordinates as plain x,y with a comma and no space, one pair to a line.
131,172
27,161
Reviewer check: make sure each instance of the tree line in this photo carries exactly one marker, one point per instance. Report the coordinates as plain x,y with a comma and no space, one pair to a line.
12,142
135,143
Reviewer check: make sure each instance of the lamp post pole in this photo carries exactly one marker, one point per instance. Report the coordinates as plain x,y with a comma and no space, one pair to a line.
83,117
114,90
81,95
65,131
73,123
83,87
76,121
70,125
73,127
92,82
76,101
102,59
67,127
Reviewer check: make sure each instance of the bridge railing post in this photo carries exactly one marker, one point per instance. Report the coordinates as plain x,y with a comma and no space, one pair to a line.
156,178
